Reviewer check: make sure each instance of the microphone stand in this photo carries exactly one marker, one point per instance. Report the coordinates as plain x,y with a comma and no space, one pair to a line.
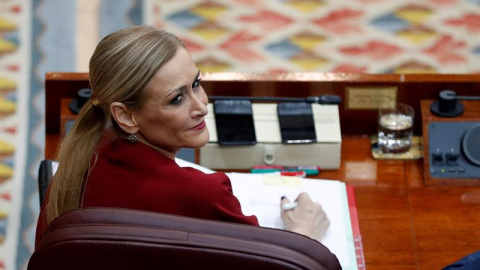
448,105
323,99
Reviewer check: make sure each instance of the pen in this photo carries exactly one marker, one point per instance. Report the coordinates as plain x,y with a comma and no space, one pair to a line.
309,170
282,173
261,166
289,206
264,170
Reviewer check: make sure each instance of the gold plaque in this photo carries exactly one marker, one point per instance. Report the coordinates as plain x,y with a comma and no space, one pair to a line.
371,97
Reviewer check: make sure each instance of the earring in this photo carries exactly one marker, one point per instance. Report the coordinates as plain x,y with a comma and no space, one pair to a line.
132,138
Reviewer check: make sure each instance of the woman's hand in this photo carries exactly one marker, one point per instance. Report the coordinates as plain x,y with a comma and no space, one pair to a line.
307,218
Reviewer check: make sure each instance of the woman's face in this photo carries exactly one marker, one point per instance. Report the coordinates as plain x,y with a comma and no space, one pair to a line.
173,113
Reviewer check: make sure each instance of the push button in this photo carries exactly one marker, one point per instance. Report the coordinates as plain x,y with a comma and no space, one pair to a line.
437,159
452,159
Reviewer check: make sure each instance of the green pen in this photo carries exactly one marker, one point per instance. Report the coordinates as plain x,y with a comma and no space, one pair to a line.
264,170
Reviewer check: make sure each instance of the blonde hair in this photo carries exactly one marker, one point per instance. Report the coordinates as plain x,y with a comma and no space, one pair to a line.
121,68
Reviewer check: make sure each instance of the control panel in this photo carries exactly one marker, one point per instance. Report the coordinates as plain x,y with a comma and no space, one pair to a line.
449,148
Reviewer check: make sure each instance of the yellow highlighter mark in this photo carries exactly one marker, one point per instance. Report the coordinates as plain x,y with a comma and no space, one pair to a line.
276,180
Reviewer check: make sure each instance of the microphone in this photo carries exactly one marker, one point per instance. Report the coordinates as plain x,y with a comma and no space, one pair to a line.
323,99
447,105
449,94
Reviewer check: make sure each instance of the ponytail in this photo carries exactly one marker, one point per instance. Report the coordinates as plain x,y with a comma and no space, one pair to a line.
74,157
120,69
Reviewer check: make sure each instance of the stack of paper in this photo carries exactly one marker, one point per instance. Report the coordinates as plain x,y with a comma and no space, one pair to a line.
259,195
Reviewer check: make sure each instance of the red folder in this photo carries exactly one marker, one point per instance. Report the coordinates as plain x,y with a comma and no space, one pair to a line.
357,237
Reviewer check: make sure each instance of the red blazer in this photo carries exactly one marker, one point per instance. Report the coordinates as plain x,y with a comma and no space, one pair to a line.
136,176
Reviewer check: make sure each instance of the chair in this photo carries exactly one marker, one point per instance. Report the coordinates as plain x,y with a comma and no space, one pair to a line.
45,174
113,238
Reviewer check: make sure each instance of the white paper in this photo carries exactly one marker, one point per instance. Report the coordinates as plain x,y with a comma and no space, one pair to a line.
263,201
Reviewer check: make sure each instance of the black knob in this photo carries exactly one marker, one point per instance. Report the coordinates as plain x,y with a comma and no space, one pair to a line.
447,105
82,96
447,101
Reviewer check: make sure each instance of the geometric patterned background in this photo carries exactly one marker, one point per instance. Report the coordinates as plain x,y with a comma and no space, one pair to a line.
257,36
39,36
13,83
371,36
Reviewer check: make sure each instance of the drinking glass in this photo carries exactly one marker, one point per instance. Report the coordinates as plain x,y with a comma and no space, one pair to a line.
395,128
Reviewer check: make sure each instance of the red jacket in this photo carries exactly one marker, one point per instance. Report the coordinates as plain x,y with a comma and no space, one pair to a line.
135,176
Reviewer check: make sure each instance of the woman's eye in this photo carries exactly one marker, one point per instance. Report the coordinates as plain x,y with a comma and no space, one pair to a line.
177,99
196,83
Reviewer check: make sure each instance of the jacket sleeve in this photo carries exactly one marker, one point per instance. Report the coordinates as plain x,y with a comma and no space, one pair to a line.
224,205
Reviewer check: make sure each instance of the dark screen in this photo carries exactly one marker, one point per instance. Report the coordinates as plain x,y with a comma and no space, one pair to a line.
296,122
234,122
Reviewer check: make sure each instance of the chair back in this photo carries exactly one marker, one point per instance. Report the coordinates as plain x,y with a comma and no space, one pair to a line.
45,174
112,238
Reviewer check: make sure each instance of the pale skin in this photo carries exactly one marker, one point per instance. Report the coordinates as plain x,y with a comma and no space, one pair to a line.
173,117
308,218
173,114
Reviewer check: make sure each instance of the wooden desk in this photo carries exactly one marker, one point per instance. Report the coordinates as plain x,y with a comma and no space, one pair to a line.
404,224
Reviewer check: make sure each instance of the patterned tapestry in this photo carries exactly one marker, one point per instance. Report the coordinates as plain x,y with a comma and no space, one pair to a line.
13,85
39,36
370,36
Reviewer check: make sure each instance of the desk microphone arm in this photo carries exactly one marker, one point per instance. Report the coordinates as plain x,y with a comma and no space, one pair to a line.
447,105
448,94
467,98
323,99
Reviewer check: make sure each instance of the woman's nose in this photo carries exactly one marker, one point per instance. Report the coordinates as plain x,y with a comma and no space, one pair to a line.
200,102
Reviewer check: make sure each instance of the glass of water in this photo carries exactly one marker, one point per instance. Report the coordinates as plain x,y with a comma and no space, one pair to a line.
395,128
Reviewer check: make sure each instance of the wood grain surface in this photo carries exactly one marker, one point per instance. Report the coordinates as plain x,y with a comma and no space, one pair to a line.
405,224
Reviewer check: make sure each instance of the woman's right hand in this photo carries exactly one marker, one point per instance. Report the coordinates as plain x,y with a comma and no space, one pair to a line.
307,218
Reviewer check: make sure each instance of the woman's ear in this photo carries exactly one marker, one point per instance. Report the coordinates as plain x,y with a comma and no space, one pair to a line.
124,117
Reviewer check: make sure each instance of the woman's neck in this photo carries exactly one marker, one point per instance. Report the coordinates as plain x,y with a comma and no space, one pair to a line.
170,153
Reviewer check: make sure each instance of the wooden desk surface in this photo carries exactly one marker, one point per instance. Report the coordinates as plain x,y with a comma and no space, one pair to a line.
404,224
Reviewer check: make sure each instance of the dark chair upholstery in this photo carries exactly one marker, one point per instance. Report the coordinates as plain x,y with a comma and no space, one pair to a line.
110,238
45,174
113,238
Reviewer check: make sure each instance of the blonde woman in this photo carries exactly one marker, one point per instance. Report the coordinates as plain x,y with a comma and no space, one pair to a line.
147,104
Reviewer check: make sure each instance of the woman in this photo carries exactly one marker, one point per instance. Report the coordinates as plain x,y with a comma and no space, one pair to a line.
147,104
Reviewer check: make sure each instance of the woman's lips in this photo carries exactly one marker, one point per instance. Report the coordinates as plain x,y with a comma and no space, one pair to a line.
199,126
